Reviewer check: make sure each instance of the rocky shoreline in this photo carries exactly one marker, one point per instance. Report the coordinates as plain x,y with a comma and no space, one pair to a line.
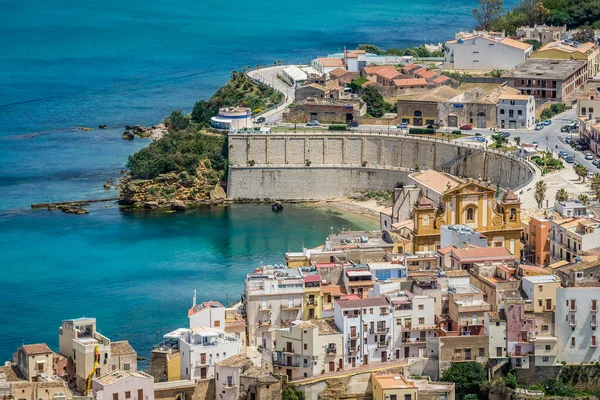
153,133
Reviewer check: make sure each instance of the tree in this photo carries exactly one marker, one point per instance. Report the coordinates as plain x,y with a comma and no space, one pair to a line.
371,48
581,171
584,199
290,394
535,43
374,101
467,378
203,111
595,185
584,34
561,195
177,121
518,140
487,12
511,381
540,193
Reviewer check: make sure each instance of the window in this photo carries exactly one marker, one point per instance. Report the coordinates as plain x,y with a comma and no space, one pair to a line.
583,110
511,113
591,110
305,346
540,288
421,306
370,311
594,344
393,397
572,341
548,347
126,367
519,112
545,359
470,214
421,321
594,305
217,323
114,367
97,372
128,394
481,352
407,396
502,111
115,396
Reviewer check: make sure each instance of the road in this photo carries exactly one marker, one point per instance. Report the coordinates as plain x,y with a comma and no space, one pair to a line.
269,76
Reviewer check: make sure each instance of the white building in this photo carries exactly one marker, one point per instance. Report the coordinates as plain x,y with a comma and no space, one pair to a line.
571,208
486,53
515,111
325,65
414,317
232,119
542,33
201,348
367,325
294,76
494,326
227,376
124,385
273,296
576,319
451,235
210,314
571,236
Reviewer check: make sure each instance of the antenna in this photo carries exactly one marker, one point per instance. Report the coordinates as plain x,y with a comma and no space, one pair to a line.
194,302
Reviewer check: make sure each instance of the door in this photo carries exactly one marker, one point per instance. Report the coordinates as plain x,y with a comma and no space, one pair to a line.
288,372
518,350
512,124
452,121
397,354
340,364
406,351
548,304
331,366
366,359
498,351
383,356
481,122
203,373
353,362
417,121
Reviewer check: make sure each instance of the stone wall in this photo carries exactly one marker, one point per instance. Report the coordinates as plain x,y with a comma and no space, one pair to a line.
327,165
185,390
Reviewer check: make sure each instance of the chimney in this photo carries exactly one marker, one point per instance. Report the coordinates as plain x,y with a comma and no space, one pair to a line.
194,301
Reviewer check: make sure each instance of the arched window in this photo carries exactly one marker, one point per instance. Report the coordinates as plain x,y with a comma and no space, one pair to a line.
417,113
513,214
470,214
425,220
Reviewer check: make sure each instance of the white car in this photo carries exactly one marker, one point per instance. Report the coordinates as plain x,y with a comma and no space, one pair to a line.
589,156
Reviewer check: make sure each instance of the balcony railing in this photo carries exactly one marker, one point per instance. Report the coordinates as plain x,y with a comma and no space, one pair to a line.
594,309
290,307
378,330
594,323
330,351
572,322
264,323
573,308
289,350
352,350
311,303
285,363
382,344
264,308
353,335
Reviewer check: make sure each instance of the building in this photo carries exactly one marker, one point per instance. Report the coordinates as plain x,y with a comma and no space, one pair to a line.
165,364
294,76
485,53
541,290
548,79
542,33
576,322
123,385
328,111
228,376
308,348
272,297
357,279
451,235
343,76
122,356
415,323
572,50
313,302
367,326
325,65
516,111
447,200
593,134
392,387
429,390
494,279
260,384
570,237
232,119
355,60
422,109
494,325
466,256
579,273
34,360
326,90
88,351
12,386
466,306
571,208
535,237
201,348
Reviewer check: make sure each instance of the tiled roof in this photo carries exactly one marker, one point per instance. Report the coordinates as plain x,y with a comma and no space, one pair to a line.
334,290
410,67
235,361
362,303
410,82
372,70
121,348
437,181
472,251
440,94
326,326
367,83
331,62
388,73
338,72
39,348
312,278
424,73
440,79
561,46
515,43
510,197
424,201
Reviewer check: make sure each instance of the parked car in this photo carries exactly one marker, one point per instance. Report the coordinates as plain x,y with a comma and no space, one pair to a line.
595,162
548,122
562,154
402,125
466,127
433,126
589,156
569,159
535,143
313,123
260,120
539,127
352,124
505,134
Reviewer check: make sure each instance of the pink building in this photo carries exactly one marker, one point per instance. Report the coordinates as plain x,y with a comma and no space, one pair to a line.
124,385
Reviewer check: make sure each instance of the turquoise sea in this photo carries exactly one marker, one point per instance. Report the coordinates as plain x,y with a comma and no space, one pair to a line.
68,63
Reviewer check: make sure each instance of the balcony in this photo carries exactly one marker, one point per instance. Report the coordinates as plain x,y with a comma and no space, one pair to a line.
353,350
572,322
264,308
229,386
330,351
289,350
594,309
264,323
353,335
311,302
417,341
593,344
572,308
290,307
287,363
462,358
382,344
522,353
379,330
594,323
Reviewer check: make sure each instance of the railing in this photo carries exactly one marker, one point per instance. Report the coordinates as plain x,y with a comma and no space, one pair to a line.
330,350
353,335
264,323
572,322
264,308
382,344
285,363
289,350
352,350
290,307
312,302
379,330
594,323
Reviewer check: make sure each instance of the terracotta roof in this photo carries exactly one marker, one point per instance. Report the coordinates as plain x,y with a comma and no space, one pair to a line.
338,72
514,96
515,43
333,290
439,94
440,79
510,197
472,251
367,83
325,326
331,62
358,51
260,374
561,46
12,373
437,181
372,70
39,348
445,250
410,67
311,278
459,273
351,55
410,82
362,303
424,201
388,73
235,361
121,348
424,73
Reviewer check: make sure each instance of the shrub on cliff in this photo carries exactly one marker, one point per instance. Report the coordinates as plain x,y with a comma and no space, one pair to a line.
374,101
178,152
467,378
177,121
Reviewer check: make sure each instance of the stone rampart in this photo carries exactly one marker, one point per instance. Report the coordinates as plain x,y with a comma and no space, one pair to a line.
325,165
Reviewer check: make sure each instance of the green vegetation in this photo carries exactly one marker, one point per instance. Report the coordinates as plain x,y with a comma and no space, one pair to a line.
356,84
240,90
457,132
573,13
551,111
595,185
376,106
179,152
548,163
488,11
456,75
497,73
417,52
337,127
421,131
290,394
510,380
535,43
540,193
581,171
467,378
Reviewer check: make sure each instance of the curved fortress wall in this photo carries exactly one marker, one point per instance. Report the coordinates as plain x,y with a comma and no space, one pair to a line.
274,166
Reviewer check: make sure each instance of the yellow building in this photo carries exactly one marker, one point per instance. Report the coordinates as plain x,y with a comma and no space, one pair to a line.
542,290
392,387
447,200
313,301
563,50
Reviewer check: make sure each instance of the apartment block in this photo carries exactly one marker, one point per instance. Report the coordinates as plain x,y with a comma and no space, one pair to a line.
367,326
570,237
307,348
227,376
494,324
515,111
124,385
34,361
392,387
313,302
541,290
536,247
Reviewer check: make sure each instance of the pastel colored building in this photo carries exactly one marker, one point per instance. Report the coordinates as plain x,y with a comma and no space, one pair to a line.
572,50
485,53
541,290
392,387
227,376
515,111
124,385
34,360
536,244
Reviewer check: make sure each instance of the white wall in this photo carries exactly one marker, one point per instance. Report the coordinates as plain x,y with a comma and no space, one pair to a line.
223,389
207,318
128,384
525,120
483,54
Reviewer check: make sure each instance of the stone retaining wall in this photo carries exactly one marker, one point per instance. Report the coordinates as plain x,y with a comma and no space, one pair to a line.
325,165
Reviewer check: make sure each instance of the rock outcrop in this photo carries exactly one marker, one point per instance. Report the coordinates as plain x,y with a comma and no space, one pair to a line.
128,135
172,191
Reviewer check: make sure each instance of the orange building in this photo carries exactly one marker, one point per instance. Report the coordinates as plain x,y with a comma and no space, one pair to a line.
536,246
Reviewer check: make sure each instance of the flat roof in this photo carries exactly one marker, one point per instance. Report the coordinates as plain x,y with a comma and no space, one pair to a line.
361,303
541,278
546,69
393,382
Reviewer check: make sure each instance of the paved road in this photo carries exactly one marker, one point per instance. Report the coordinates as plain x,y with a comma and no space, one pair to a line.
269,76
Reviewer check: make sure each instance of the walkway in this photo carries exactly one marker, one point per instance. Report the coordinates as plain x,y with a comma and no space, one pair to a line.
268,76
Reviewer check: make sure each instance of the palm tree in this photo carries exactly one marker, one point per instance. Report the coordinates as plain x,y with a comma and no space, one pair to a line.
540,193
584,199
561,195
581,172
595,184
